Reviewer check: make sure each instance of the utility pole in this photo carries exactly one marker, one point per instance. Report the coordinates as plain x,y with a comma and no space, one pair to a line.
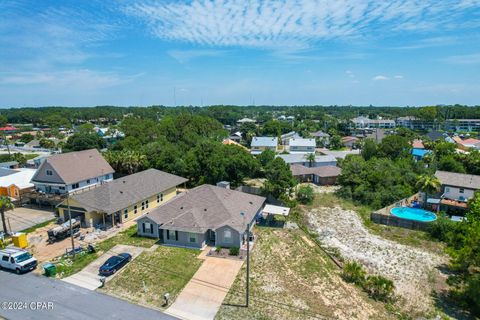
248,265
70,218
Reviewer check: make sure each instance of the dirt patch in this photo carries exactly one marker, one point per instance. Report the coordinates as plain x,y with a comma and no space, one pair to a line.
412,269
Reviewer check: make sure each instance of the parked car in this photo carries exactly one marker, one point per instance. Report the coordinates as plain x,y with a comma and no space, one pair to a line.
17,259
113,264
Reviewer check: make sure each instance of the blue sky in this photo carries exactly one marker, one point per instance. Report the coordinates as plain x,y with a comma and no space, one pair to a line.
360,52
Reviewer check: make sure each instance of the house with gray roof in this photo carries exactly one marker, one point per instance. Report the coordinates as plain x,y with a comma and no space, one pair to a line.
260,144
301,159
324,175
72,171
122,199
299,145
203,215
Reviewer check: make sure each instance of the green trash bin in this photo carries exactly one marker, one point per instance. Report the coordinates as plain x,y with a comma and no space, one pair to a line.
50,270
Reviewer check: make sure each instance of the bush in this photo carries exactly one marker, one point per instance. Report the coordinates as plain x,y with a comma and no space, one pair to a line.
234,251
441,228
353,273
379,288
218,248
305,194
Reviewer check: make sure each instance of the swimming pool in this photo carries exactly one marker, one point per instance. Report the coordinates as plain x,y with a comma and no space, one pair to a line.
413,214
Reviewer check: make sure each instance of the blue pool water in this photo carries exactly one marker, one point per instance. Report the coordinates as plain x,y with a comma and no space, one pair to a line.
413,214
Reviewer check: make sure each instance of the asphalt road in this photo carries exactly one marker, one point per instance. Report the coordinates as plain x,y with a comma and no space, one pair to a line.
44,298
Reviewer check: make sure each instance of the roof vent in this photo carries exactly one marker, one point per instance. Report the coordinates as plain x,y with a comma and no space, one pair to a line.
123,181
205,209
250,202
121,191
223,184
181,208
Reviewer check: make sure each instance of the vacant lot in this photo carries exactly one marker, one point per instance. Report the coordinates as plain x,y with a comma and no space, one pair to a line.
413,268
153,273
291,278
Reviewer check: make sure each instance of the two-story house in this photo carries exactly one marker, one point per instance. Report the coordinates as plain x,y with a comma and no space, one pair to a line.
71,172
260,144
299,145
457,189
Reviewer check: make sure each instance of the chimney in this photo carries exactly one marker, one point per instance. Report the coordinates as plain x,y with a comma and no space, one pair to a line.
223,184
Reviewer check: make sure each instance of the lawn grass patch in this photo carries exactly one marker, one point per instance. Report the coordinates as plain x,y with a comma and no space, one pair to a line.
153,273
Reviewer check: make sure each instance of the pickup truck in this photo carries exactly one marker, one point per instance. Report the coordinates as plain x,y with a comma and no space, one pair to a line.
17,260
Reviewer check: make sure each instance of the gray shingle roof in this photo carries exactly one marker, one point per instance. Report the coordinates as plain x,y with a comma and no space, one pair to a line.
461,180
75,166
207,207
264,142
302,142
124,192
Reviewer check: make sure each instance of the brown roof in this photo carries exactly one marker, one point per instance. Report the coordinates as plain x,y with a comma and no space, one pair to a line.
461,180
454,203
322,171
207,207
349,138
126,191
75,166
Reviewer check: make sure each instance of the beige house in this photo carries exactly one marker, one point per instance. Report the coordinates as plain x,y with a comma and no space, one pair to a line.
123,199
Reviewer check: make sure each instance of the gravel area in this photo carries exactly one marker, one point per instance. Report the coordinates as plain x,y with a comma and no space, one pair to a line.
412,269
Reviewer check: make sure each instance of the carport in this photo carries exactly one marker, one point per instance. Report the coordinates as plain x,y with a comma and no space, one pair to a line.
269,214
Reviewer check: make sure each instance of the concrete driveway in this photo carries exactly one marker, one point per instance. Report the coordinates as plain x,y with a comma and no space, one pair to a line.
204,293
89,278
22,218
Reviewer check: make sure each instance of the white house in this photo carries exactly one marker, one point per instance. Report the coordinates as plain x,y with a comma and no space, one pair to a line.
457,188
302,145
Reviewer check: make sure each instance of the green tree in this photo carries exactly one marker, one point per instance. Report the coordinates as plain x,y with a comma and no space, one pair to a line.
46,143
395,146
5,205
310,157
280,181
84,141
126,161
266,157
428,184
26,137
335,142
369,149
305,194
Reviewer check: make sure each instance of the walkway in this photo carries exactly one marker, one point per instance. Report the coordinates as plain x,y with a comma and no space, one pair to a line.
203,295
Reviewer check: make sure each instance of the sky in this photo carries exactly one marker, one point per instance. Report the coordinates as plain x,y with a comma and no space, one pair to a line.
245,52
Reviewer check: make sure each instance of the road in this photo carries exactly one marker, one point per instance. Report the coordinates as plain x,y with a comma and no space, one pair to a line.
22,218
67,301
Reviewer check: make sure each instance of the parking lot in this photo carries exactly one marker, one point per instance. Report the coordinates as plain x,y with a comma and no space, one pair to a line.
22,218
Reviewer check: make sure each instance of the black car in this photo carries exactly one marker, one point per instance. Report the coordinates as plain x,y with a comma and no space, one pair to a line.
113,264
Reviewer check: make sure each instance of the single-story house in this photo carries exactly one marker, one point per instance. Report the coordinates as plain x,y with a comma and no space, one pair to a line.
122,199
323,138
299,145
260,144
350,141
205,215
325,175
15,183
301,159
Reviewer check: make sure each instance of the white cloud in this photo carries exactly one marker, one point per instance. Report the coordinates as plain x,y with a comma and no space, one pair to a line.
464,59
295,24
398,77
184,56
380,78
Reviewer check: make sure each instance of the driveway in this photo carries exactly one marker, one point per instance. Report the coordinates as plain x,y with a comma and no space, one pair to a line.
22,218
67,301
204,293
89,279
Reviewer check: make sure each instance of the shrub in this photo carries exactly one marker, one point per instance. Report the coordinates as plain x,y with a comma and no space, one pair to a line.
218,248
379,288
305,194
441,228
353,273
234,251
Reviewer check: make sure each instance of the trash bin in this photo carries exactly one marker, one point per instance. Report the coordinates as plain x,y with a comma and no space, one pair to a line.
20,240
50,269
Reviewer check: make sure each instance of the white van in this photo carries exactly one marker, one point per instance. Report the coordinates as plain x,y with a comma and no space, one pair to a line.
17,259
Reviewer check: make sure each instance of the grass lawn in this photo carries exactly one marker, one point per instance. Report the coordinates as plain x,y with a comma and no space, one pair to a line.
416,238
153,273
291,278
67,266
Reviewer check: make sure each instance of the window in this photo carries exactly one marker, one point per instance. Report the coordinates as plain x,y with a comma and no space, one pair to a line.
447,189
125,213
227,236
159,197
61,188
192,237
135,209
147,227
461,190
146,204
172,235
5,258
143,206
88,181
49,172
107,176
75,186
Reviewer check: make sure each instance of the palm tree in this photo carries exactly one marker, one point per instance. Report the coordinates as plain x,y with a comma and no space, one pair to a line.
5,205
310,158
428,184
